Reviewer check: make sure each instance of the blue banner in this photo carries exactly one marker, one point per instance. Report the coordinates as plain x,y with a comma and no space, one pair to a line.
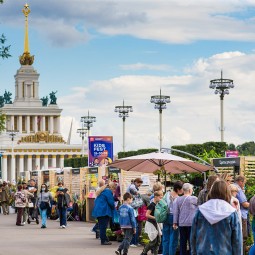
100,150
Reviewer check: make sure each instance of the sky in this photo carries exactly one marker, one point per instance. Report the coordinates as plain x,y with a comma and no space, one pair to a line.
96,54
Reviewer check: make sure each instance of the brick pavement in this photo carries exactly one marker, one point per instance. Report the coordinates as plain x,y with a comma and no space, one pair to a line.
76,239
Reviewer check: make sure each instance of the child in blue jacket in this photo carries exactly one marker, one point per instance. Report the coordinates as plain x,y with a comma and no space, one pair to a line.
127,222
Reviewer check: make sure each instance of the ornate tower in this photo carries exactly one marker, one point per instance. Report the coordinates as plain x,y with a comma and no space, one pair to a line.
26,78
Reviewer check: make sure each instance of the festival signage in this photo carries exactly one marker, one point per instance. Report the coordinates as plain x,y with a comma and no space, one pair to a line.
226,162
231,154
34,173
113,170
76,171
100,150
93,170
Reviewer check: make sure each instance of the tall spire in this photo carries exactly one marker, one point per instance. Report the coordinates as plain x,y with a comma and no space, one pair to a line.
26,58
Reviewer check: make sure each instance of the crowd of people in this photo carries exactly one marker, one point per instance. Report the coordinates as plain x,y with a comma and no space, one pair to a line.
214,222
30,202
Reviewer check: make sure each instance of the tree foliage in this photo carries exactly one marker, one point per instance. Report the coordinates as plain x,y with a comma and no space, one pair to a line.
246,149
217,148
76,162
4,50
134,153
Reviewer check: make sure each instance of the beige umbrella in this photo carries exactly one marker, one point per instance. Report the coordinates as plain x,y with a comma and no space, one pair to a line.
149,163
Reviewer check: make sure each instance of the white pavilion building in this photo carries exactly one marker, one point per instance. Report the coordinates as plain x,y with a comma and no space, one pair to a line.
37,141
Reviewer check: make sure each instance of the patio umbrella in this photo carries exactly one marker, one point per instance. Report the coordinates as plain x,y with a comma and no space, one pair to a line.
149,163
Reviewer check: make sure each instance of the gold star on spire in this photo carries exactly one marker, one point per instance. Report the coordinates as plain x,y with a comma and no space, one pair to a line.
26,58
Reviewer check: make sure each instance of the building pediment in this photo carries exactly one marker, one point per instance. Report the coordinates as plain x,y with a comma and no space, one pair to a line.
42,137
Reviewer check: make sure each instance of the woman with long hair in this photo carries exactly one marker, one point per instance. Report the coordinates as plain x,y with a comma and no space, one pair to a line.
44,200
216,228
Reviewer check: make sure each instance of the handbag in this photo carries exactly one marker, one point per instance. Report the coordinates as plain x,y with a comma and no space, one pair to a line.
137,202
30,205
44,205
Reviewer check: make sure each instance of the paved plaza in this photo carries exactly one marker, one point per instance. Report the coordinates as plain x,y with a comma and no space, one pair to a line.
31,239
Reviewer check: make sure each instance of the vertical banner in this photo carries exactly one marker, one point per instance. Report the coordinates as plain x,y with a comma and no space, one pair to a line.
100,150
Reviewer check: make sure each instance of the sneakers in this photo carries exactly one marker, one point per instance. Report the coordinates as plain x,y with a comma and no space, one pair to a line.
24,223
43,226
118,252
57,219
133,245
63,226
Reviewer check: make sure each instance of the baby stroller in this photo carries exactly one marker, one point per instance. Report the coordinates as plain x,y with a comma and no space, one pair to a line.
33,215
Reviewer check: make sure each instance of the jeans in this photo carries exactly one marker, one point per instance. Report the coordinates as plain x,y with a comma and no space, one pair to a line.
184,239
43,214
135,238
62,216
170,237
103,223
153,245
128,234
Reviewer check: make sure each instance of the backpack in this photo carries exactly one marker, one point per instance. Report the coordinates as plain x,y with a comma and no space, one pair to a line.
161,211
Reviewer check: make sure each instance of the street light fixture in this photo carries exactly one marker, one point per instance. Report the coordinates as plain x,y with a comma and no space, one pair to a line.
12,134
123,111
160,102
82,132
221,87
87,122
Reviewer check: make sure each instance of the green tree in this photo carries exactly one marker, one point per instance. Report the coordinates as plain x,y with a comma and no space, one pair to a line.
4,50
246,149
231,147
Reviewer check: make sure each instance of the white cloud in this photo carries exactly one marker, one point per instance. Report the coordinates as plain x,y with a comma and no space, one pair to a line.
143,66
65,24
193,116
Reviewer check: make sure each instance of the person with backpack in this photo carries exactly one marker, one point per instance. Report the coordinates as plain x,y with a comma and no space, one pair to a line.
151,226
184,209
127,222
171,235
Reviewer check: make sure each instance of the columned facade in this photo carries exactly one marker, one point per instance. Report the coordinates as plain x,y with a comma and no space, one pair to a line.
38,143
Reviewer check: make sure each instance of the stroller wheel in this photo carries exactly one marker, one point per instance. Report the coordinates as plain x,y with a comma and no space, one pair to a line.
28,221
37,221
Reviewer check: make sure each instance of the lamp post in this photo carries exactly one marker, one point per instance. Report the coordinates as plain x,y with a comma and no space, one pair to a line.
221,87
87,122
82,131
160,102
123,111
12,133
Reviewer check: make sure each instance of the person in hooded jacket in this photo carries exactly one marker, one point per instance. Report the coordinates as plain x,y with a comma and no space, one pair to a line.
216,228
